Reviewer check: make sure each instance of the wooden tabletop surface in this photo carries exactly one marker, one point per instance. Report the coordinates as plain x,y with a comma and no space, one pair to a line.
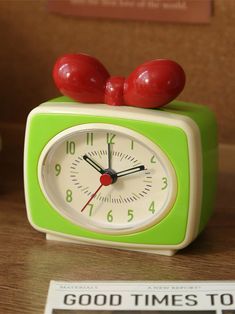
28,262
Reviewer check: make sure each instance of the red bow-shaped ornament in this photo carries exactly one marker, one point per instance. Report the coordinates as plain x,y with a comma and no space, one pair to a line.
152,84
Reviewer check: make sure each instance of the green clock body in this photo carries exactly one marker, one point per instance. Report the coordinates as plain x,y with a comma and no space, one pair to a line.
160,209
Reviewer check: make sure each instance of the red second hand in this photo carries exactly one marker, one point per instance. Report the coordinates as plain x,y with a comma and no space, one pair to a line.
105,180
91,198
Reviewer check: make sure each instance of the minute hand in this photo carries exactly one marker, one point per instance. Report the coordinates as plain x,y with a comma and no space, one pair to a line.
130,171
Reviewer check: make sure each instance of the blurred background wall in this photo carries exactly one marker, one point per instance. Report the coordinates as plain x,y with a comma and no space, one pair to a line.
32,38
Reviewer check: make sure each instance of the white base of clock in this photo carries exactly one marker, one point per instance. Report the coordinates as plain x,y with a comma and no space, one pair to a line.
53,237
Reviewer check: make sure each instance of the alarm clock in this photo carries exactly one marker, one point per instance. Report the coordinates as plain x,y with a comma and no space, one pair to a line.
123,177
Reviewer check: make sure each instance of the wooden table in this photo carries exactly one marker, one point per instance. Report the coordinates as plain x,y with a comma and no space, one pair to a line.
28,262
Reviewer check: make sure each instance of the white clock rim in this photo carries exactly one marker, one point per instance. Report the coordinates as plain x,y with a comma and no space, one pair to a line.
133,134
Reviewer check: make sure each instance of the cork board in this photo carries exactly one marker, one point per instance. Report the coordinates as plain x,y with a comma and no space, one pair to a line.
32,38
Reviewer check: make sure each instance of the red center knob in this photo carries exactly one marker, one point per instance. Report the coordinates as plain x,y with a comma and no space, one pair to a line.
106,179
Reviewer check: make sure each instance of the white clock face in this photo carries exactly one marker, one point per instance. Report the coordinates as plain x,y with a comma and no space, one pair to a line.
107,178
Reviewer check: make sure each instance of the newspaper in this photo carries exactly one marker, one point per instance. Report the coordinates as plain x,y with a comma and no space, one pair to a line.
162,297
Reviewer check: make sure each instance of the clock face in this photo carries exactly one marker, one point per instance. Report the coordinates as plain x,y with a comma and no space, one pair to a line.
107,178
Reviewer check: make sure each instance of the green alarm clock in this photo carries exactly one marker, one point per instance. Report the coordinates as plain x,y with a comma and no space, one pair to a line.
123,177
131,174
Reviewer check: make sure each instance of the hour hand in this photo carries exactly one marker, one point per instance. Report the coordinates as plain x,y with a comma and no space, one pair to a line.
93,164
130,171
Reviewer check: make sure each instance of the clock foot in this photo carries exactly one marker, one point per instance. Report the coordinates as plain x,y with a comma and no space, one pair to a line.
157,252
60,238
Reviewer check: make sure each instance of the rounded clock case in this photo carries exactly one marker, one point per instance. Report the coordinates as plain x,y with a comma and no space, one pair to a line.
184,132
